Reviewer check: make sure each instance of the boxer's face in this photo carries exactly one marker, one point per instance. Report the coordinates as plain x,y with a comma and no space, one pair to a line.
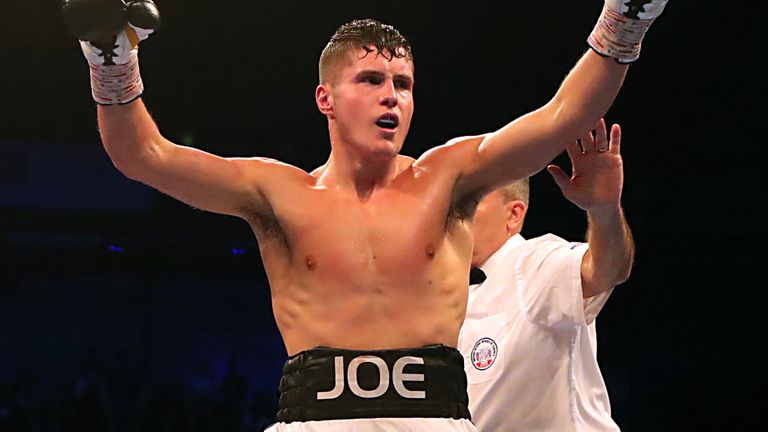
372,102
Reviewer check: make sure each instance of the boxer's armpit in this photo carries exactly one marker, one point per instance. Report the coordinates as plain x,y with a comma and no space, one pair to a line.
264,221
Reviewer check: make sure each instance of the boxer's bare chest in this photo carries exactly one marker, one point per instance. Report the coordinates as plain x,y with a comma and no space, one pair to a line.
337,236
391,264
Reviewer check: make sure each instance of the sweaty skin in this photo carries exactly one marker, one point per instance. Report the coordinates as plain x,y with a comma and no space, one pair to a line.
375,259
371,250
387,271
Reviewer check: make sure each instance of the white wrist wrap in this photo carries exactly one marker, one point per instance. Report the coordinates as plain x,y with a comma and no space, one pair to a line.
622,26
115,77
116,84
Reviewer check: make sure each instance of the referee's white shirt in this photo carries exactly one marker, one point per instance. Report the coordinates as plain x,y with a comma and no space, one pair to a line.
529,342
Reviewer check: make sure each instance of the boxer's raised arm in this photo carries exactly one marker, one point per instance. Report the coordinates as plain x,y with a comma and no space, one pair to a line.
109,33
524,146
230,186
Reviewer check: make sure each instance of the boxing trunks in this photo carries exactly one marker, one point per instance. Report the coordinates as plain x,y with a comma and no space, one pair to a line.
415,389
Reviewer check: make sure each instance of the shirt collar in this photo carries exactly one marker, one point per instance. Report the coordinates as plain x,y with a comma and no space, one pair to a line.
497,257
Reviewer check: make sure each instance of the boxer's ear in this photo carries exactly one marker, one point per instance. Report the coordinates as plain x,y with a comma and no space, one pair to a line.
324,100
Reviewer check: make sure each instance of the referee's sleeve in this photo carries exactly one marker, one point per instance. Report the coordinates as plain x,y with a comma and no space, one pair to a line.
548,283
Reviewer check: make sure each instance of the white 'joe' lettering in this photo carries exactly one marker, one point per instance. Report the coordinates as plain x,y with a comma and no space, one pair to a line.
398,377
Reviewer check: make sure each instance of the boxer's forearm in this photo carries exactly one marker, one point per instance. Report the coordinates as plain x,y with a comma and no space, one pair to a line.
526,145
611,251
582,99
586,94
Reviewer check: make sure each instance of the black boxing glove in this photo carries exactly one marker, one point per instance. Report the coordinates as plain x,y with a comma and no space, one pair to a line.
109,33
143,14
93,20
98,20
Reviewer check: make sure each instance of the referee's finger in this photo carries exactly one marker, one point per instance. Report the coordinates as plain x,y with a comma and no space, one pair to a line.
601,137
615,146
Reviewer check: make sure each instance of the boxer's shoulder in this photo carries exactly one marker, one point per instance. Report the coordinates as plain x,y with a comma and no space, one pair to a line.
272,173
275,183
452,153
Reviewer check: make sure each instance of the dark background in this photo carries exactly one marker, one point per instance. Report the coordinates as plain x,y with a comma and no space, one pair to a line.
121,309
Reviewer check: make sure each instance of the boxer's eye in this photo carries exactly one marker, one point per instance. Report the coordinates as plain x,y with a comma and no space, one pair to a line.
403,84
372,79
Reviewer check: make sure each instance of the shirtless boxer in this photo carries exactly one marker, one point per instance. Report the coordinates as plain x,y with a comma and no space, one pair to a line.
367,256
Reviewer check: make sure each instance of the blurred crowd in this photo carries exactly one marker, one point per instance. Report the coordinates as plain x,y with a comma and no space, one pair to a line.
100,400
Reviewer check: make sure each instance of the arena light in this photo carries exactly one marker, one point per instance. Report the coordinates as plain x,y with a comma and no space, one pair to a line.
115,249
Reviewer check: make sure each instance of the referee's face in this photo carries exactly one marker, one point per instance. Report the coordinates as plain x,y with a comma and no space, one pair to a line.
490,227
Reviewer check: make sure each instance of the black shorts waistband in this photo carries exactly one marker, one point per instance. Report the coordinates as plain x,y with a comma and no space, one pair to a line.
332,384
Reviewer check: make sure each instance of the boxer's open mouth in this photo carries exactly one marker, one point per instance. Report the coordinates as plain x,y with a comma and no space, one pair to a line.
388,121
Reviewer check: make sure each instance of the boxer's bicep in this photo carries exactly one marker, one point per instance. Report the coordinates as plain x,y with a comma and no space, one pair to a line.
206,181
203,180
517,150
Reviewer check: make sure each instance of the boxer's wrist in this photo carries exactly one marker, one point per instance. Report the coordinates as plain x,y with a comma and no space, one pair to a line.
116,84
109,32
114,65
622,26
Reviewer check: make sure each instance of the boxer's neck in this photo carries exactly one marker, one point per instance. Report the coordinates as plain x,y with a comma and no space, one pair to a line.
360,174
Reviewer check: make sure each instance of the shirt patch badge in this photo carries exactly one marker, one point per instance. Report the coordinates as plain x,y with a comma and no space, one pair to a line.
484,353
